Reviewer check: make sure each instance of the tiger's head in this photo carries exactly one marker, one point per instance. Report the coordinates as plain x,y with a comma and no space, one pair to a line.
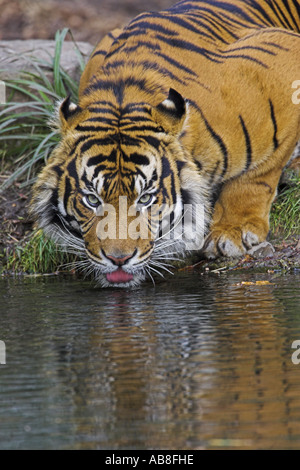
120,189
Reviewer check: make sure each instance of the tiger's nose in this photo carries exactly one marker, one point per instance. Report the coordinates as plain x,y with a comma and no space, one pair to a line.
119,260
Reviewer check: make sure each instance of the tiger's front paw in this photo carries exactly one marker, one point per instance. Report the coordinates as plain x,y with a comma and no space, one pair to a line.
231,241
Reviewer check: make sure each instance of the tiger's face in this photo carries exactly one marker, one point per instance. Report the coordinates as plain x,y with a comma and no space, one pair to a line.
117,189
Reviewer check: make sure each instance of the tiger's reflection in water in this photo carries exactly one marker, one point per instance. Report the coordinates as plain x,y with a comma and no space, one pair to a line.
190,370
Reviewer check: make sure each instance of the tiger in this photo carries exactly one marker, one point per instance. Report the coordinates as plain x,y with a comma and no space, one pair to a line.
184,109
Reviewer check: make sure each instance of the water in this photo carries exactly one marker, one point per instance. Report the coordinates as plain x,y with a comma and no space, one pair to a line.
197,362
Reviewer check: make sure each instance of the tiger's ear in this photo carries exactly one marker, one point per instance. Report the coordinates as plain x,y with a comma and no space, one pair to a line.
67,112
171,112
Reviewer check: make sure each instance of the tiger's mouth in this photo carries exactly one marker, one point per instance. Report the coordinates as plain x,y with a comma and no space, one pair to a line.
119,277
108,275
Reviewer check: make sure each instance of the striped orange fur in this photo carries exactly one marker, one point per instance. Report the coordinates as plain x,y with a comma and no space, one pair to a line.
191,106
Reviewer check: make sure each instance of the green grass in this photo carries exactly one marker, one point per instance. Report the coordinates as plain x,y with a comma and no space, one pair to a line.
285,213
25,137
37,255
26,141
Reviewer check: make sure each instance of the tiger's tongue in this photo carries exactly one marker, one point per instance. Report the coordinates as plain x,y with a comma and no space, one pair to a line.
119,276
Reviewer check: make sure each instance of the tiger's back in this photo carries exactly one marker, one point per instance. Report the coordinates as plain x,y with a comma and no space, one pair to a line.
192,105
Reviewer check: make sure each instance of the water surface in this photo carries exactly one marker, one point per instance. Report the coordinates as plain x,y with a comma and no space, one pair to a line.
197,362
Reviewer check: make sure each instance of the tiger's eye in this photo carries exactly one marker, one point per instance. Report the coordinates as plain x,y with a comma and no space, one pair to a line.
92,200
145,199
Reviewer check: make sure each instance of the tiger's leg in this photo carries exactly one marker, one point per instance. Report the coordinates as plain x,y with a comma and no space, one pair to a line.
241,214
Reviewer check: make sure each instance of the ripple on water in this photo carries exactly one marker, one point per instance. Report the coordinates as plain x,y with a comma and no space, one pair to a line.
194,362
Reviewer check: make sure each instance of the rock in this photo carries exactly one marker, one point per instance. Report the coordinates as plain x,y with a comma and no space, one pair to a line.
263,250
16,56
